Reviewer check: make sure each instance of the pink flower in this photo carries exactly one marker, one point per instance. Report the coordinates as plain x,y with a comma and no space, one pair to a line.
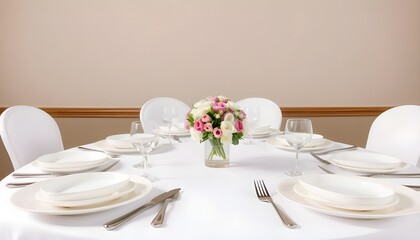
198,126
206,118
239,126
208,127
219,106
217,132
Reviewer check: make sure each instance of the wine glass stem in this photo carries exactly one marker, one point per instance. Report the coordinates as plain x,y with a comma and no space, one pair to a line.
146,162
297,166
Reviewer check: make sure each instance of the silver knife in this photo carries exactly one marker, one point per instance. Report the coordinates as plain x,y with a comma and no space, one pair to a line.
120,220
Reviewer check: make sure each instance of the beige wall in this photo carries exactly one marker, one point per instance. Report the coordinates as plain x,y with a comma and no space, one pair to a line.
123,52
300,53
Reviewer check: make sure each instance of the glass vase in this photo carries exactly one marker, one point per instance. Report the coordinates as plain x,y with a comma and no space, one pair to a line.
216,154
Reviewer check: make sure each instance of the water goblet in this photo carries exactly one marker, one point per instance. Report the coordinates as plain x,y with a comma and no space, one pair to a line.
252,118
144,143
297,132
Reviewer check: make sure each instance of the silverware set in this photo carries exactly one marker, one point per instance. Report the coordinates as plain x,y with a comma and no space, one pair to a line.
160,217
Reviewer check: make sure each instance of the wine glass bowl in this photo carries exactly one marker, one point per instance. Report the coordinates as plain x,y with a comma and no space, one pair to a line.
144,143
298,132
252,119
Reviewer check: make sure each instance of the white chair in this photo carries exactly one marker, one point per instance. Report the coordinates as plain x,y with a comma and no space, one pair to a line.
270,113
151,112
28,133
396,132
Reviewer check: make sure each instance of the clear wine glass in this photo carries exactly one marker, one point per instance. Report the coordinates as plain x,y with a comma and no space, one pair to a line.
144,143
252,118
168,117
297,132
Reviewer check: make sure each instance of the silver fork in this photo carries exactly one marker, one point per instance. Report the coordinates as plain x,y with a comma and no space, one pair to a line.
319,159
264,195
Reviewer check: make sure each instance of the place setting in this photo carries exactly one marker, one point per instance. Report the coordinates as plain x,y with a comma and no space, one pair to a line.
350,196
81,193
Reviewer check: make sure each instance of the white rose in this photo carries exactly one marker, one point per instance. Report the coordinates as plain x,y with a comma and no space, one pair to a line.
196,135
226,137
229,117
227,126
232,105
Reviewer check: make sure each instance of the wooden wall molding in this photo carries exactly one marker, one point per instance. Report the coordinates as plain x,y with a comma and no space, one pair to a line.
113,112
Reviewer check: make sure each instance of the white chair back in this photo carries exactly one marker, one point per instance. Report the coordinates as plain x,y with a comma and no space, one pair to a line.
396,132
28,133
151,111
270,113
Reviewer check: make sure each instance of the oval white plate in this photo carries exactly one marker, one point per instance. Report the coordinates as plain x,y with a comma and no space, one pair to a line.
266,133
351,190
119,141
25,199
409,202
364,160
274,142
72,170
83,186
306,194
104,146
79,203
71,159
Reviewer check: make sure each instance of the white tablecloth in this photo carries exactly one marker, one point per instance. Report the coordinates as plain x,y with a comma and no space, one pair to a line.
214,203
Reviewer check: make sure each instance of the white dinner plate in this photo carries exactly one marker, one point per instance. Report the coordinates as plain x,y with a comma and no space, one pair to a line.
25,199
354,207
71,159
119,141
265,133
104,146
274,142
364,160
83,186
72,170
408,204
349,190
130,186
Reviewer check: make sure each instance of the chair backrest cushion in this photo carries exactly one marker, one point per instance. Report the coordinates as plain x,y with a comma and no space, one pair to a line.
28,133
396,132
270,113
151,112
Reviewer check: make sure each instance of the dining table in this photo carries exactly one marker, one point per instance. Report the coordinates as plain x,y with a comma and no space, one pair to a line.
213,203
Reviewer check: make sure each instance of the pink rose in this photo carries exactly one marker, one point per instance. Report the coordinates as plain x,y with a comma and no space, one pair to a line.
239,126
206,118
208,127
217,132
219,106
198,126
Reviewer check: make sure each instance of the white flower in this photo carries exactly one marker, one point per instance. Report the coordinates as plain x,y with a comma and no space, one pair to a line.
222,98
200,108
229,117
226,137
227,126
196,135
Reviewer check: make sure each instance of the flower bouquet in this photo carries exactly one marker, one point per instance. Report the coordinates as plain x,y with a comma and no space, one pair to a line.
219,122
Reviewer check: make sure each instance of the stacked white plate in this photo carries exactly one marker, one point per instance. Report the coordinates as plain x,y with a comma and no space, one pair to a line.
264,131
317,142
119,141
84,189
366,161
346,192
177,129
71,161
